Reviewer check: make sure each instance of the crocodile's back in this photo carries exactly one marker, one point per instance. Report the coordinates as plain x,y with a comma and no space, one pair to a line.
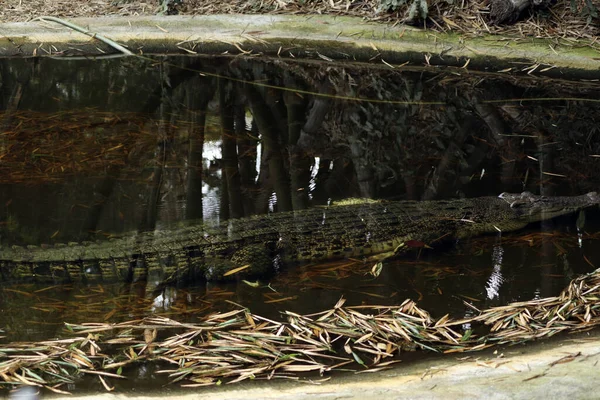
371,228
255,243
313,234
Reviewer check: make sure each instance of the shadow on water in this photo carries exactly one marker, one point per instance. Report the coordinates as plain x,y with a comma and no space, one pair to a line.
90,149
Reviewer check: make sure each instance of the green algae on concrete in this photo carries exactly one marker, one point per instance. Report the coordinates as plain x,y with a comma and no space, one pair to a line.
328,38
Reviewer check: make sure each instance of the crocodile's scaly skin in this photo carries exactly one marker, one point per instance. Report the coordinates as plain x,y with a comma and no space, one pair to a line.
263,243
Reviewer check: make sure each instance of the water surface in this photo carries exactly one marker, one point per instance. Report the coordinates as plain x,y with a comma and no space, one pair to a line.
90,149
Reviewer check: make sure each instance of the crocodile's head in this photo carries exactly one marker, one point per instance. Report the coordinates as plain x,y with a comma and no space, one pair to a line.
535,208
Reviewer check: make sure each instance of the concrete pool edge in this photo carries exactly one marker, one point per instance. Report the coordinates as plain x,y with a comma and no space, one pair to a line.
546,369
326,38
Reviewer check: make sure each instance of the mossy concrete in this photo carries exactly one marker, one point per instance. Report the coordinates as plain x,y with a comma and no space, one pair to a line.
326,38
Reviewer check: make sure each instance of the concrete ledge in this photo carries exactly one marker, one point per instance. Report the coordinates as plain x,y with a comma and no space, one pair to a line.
553,369
327,38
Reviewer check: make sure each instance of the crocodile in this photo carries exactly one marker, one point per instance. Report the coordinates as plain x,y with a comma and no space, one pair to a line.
258,245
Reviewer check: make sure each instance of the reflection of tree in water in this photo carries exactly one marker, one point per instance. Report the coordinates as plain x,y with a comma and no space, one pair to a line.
429,151
464,146
428,134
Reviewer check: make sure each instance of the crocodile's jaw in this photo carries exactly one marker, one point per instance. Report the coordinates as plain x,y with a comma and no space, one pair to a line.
533,208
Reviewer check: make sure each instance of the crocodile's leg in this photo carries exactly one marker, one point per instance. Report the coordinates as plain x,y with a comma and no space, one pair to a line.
249,261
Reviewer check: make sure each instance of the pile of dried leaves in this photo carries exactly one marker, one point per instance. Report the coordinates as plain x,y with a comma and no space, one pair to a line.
238,345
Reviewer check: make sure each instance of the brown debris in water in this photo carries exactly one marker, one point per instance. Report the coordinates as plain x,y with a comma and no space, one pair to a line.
237,345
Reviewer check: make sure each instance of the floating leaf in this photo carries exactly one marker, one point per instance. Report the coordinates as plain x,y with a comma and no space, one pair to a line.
377,268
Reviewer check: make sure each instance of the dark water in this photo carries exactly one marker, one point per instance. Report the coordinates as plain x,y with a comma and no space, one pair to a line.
92,148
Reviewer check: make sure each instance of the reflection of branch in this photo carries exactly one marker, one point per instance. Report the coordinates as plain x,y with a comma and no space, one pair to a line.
316,115
315,119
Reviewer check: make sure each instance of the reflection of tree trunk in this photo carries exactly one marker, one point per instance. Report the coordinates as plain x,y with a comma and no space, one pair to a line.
546,162
333,180
493,120
410,185
193,200
247,143
264,183
548,252
231,172
479,153
363,166
174,79
10,99
199,94
278,112
104,191
224,200
339,179
247,147
271,148
12,106
171,208
439,177
299,162
151,207
498,128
